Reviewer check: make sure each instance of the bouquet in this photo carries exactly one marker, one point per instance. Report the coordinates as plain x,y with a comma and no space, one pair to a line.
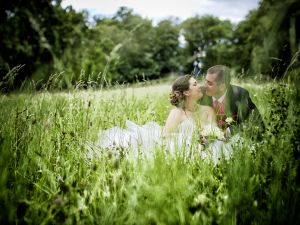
211,133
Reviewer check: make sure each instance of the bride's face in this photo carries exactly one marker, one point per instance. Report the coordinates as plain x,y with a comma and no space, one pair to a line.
194,91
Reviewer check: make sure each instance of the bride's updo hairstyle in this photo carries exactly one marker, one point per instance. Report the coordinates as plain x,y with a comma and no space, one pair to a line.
180,85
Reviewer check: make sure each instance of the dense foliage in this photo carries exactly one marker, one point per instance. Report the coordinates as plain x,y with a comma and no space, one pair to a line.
44,44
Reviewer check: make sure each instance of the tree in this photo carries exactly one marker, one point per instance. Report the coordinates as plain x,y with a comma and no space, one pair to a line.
166,46
34,34
206,34
268,38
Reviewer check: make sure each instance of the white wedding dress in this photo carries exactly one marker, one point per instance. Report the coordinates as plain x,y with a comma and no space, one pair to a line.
142,140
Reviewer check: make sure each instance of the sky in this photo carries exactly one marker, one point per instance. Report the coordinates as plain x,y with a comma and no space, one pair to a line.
156,10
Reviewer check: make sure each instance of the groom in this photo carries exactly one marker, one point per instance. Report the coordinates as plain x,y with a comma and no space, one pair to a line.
231,103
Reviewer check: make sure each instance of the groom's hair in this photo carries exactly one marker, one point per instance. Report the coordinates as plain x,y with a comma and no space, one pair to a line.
222,72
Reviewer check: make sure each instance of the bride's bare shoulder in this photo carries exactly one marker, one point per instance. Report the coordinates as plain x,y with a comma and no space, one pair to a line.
176,112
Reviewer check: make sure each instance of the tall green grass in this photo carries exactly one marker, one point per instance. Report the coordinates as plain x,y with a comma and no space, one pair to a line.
46,177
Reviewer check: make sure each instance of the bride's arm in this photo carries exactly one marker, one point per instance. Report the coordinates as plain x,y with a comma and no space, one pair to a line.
173,120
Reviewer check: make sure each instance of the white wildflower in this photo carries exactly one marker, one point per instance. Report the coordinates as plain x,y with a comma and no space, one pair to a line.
229,120
200,199
106,192
81,204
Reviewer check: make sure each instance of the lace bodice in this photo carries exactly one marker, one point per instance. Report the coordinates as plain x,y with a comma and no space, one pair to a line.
187,127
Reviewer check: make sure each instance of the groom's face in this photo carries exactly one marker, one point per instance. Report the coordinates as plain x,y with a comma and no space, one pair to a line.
212,87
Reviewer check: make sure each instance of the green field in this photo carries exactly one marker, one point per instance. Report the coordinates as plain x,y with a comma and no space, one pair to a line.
46,178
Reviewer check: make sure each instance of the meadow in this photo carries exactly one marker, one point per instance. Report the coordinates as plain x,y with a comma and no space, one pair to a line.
46,177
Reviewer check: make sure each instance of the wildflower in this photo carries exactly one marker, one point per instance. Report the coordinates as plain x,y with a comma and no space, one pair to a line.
229,120
81,204
201,199
58,201
106,192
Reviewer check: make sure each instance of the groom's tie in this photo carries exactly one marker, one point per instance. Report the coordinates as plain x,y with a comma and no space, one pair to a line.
219,108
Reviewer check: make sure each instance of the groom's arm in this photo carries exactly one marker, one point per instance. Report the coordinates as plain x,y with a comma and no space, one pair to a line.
249,111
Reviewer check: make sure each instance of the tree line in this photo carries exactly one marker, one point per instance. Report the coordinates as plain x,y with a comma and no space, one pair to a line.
43,44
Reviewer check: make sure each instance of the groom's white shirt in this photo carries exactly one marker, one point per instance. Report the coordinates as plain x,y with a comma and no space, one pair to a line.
221,99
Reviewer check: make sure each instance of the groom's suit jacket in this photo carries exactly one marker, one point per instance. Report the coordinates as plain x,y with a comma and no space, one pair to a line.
238,105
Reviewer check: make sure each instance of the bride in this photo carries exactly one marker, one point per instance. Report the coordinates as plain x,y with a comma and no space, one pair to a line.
183,128
184,95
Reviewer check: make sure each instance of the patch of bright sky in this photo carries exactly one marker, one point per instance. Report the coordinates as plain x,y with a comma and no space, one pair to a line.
156,10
